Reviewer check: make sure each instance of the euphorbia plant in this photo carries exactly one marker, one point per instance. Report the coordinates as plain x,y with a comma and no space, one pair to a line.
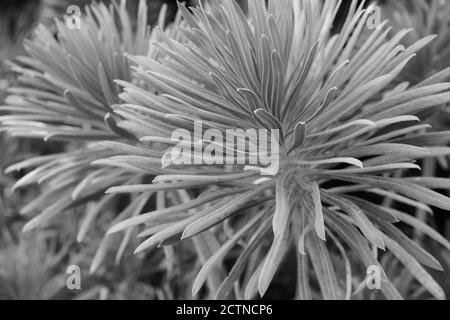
430,66
343,126
342,129
66,94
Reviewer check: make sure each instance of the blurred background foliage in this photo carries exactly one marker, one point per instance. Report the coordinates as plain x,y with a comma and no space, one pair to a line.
33,266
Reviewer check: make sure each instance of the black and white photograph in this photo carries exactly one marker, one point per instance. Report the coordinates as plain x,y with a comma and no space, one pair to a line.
224,155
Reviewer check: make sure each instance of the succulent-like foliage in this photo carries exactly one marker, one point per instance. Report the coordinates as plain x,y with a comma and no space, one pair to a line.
431,65
58,7
343,123
68,79
66,93
424,18
341,128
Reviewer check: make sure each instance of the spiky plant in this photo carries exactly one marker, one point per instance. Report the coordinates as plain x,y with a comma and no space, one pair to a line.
432,64
342,129
154,6
269,71
66,94
425,18
428,18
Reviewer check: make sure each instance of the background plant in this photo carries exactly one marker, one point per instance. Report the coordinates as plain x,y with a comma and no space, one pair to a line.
425,18
65,93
